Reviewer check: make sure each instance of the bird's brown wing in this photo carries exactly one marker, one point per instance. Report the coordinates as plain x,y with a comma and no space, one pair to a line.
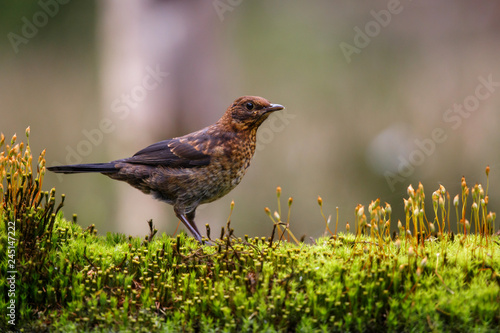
173,153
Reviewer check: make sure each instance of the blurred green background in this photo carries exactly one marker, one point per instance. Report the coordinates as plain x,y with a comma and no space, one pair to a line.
361,81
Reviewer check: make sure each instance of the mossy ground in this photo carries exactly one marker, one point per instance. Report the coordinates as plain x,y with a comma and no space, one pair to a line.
422,278
87,282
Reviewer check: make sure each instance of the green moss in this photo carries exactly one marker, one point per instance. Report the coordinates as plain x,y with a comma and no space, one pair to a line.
91,282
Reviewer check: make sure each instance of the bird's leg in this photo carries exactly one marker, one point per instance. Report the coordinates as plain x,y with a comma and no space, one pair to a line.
188,220
190,217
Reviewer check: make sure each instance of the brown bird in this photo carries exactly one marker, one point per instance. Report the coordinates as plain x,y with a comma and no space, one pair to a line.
196,168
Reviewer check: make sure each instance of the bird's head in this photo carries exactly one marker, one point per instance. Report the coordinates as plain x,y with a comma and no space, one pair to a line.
249,112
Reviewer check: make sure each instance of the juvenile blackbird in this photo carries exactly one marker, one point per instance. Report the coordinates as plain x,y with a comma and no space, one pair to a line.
194,169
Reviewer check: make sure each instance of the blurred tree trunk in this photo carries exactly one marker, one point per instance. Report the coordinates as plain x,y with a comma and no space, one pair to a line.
158,80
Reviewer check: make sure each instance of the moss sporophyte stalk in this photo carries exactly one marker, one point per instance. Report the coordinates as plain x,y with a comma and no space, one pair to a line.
385,273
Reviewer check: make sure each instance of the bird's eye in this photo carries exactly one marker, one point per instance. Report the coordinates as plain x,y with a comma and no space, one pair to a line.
249,106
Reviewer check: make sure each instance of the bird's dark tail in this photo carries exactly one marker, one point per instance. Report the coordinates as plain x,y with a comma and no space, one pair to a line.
80,168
